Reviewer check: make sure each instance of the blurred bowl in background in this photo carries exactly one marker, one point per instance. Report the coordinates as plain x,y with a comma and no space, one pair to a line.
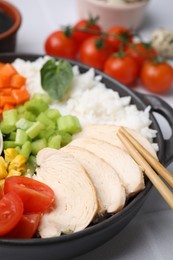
10,21
130,15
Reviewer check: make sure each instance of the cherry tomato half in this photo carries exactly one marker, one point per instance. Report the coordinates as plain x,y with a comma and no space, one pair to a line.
85,29
62,45
26,228
11,210
141,52
1,193
124,69
36,196
119,36
94,52
157,78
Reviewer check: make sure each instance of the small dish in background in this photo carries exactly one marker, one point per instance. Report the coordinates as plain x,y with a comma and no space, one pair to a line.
10,21
130,15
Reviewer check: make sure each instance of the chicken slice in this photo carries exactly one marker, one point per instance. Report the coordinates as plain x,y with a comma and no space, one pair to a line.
110,191
75,196
108,133
128,170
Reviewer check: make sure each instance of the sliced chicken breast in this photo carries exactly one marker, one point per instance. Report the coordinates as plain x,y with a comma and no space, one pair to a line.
75,196
128,170
110,191
108,133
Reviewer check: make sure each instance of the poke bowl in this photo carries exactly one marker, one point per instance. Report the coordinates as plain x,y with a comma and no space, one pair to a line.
74,244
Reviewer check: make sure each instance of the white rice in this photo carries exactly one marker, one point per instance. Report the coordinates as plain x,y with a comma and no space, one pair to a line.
90,100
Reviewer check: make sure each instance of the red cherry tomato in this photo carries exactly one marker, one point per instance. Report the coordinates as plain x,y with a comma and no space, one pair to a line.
26,228
1,193
85,29
94,52
157,78
123,69
117,35
11,210
141,52
36,196
62,45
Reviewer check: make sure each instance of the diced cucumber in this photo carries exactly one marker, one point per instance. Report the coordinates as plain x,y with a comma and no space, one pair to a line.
44,97
26,149
28,116
21,137
23,123
7,128
66,138
45,120
9,144
37,145
35,129
69,124
12,136
36,107
17,148
53,114
46,133
10,116
21,109
31,165
54,142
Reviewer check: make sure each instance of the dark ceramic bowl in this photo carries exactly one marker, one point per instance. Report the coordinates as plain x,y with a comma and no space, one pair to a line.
11,20
69,246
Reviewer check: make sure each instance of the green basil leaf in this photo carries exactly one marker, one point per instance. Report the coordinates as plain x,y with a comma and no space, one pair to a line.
56,78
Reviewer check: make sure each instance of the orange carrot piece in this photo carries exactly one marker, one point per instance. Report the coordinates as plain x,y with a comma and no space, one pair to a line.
8,70
1,65
17,81
7,100
4,81
20,95
5,91
8,107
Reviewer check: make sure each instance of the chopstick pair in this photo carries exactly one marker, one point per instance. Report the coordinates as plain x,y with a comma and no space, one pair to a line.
148,163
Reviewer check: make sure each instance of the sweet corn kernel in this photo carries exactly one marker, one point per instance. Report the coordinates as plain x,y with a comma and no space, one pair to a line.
18,163
3,162
14,173
10,154
3,171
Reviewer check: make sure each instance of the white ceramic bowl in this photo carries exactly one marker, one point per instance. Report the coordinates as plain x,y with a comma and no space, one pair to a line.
130,15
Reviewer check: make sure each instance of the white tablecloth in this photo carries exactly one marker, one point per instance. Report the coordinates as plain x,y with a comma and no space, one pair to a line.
150,234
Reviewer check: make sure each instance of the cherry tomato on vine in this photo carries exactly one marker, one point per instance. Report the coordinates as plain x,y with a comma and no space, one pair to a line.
85,29
119,36
141,52
122,68
158,77
26,227
62,44
11,211
36,196
94,52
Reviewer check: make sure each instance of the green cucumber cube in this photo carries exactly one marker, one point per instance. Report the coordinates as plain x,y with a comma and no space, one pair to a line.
37,145
23,123
69,124
35,129
41,96
26,149
54,142
36,107
21,137
10,116
7,128
66,138
12,136
53,114
45,120
9,144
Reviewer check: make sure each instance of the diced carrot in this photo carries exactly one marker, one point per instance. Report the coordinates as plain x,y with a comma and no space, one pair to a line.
8,71
5,91
20,95
1,65
17,81
8,107
7,100
4,81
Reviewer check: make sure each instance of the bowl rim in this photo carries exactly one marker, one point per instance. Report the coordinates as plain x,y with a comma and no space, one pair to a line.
16,22
103,224
125,7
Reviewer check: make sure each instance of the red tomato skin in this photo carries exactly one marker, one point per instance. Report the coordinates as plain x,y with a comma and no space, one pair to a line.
58,44
1,193
157,78
123,69
26,227
11,211
93,56
119,31
140,53
37,197
81,36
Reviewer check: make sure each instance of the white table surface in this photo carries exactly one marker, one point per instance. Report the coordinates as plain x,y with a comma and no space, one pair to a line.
149,235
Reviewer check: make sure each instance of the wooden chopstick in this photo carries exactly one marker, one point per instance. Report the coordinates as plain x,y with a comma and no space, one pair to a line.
156,165
151,174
